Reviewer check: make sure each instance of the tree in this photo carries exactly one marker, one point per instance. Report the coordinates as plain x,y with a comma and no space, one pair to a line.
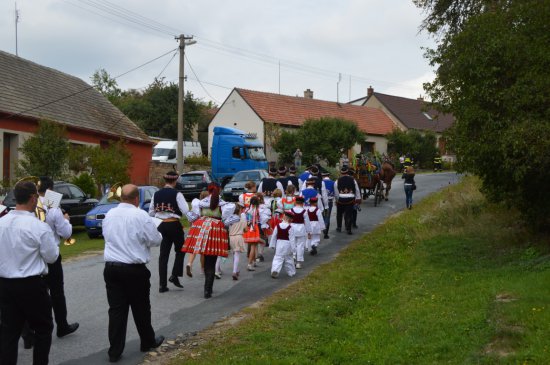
492,74
420,145
319,139
46,152
106,85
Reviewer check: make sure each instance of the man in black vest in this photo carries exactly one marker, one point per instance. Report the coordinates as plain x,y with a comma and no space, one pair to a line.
283,179
270,183
169,205
292,178
346,193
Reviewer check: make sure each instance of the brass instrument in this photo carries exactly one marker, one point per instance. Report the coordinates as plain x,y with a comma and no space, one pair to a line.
40,212
115,192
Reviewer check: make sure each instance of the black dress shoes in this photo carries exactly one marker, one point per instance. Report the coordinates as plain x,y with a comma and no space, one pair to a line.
114,358
163,289
174,280
64,331
158,341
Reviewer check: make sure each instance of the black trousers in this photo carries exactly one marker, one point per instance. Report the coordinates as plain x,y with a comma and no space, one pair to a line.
57,293
344,209
209,271
23,300
128,286
172,233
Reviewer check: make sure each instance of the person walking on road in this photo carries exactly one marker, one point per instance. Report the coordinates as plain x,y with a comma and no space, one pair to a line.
27,245
347,194
409,185
129,235
298,158
283,242
169,205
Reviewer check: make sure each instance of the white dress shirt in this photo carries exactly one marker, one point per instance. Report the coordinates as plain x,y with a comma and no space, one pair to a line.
129,234
26,245
60,226
182,205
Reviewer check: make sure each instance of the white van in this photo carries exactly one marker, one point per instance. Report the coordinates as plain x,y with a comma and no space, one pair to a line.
165,151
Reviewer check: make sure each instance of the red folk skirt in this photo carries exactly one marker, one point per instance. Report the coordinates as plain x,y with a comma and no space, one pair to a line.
207,236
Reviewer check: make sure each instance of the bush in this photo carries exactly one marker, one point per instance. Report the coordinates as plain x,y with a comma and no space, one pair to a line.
85,182
197,160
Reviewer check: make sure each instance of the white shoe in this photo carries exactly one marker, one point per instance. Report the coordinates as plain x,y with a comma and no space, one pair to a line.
250,268
299,265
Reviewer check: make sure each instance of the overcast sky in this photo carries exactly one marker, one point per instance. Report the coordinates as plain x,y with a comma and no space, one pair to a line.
283,46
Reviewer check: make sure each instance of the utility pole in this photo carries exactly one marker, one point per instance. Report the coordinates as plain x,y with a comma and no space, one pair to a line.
184,41
16,21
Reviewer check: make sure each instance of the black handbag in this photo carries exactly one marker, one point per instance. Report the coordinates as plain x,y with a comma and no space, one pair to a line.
414,187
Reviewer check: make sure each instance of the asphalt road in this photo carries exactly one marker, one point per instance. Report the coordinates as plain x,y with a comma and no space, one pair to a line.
181,311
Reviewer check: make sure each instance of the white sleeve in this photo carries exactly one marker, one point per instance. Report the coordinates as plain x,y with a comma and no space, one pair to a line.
49,247
336,190
324,195
265,214
280,186
259,190
151,235
307,223
227,210
152,206
61,226
357,191
182,203
273,239
321,219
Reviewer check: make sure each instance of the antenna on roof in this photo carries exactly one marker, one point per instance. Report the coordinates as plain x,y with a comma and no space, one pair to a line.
338,88
16,21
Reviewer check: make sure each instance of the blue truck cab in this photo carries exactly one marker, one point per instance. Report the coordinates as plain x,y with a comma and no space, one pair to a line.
234,150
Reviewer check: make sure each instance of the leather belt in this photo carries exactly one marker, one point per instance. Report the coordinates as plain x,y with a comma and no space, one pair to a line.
170,220
121,264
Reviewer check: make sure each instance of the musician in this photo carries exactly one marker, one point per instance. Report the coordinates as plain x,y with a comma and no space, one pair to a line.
129,234
169,205
61,227
346,193
27,245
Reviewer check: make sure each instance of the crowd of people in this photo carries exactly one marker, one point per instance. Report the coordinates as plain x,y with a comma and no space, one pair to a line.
285,212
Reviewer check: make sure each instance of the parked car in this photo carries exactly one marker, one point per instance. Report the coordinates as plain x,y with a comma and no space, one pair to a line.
190,184
94,218
235,186
74,202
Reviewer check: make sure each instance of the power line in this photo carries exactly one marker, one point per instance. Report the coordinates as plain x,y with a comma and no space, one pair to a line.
200,83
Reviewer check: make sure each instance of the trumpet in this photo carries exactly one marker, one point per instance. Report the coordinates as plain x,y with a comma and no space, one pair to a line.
115,192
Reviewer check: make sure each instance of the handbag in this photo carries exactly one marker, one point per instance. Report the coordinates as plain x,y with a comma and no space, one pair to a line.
414,187
252,234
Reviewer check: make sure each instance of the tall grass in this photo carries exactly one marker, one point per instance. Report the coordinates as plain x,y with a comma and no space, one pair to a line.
454,281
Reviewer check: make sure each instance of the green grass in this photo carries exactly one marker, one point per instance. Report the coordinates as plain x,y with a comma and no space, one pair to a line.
454,281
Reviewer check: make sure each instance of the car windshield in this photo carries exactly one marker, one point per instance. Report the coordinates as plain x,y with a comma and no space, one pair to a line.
256,153
160,152
191,178
246,176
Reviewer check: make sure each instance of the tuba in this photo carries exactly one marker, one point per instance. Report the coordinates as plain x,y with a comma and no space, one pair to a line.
40,212
115,193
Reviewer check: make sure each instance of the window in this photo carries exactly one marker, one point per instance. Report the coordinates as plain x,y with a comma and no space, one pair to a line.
148,195
76,192
64,190
236,152
256,153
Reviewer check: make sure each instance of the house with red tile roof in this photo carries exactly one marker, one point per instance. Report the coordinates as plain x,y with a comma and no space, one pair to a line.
30,92
254,112
409,113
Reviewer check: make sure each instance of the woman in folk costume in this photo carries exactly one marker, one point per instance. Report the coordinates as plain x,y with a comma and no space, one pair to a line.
236,224
208,235
302,229
252,234
283,242
192,216
290,199
317,222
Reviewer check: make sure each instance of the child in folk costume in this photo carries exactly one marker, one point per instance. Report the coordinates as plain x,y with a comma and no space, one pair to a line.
252,233
289,201
283,242
265,230
192,216
276,210
310,192
208,235
315,216
244,198
302,229
237,225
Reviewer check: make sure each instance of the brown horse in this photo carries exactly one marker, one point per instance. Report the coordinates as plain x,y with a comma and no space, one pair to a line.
387,173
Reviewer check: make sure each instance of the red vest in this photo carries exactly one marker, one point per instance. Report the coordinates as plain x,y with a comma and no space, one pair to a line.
313,215
283,234
298,217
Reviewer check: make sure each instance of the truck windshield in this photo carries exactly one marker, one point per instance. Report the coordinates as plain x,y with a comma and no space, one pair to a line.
256,153
161,152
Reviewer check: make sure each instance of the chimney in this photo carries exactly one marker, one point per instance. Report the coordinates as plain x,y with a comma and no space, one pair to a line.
370,91
308,94
420,98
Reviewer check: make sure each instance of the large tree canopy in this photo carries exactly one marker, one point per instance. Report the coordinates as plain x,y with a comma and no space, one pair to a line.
319,139
492,74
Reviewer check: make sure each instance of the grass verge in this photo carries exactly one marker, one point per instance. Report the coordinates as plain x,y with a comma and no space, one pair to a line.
455,281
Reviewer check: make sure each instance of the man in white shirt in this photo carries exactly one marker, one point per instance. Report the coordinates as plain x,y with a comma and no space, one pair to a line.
129,235
27,245
169,205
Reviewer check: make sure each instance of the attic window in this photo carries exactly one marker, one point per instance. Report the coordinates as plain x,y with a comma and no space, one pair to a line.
427,116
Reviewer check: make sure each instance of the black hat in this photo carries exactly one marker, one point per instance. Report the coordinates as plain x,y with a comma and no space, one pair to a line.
311,181
292,169
344,170
313,199
289,214
281,170
314,169
171,176
272,170
325,174
300,199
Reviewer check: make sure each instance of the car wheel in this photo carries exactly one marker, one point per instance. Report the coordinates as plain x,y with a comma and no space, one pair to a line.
93,235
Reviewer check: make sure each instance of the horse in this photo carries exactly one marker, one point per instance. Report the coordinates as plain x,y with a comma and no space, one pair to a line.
387,173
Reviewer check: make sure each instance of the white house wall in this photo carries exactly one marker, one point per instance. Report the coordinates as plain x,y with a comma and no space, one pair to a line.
236,113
